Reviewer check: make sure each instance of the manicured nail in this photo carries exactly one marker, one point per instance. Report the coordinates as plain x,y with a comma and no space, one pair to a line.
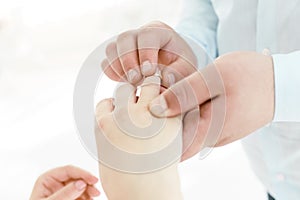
158,106
146,67
171,79
131,75
80,185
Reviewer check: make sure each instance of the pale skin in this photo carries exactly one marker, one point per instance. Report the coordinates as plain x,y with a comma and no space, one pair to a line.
160,184
246,87
67,183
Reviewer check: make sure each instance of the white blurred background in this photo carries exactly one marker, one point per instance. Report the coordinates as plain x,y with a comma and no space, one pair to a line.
42,46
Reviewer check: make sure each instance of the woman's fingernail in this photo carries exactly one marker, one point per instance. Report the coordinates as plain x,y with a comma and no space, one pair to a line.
146,67
80,185
171,79
158,106
131,75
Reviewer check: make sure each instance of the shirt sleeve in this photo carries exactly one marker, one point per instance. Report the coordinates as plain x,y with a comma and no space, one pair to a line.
199,22
287,87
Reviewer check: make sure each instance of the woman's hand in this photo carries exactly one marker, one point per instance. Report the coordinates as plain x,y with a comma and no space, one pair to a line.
65,183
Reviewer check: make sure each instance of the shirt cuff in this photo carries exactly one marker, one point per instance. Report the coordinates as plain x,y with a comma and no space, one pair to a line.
287,87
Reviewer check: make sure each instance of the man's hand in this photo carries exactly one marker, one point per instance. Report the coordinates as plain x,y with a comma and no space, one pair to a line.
138,53
65,183
240,85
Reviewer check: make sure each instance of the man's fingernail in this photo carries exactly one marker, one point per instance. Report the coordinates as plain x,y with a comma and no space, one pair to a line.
131,75
146,67
80,185
171,79
158,106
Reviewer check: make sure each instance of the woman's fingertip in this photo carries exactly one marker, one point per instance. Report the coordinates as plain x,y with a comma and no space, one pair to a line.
97,193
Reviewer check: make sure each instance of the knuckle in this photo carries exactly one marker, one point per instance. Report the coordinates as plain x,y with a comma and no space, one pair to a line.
144,32
68,167
158,24
148,38
43,180
110,48
104,64
40,179
125,36
153,30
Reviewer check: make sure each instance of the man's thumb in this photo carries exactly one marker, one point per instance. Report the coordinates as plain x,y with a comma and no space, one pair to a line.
181,97
189,92
70,192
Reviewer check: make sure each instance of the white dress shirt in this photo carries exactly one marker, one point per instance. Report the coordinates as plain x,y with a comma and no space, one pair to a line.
222,26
